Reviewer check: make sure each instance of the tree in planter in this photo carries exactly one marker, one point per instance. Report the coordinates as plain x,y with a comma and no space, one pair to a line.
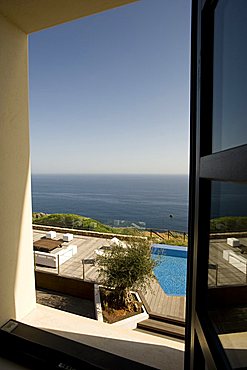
124,268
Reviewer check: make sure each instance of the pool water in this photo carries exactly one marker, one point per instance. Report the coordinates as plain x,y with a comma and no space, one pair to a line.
171,270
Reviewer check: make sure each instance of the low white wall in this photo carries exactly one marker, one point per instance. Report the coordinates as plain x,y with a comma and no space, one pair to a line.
94,234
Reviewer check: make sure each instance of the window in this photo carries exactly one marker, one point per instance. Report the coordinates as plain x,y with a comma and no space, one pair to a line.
217,304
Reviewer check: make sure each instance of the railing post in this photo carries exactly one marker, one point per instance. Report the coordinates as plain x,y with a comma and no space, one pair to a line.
168,234
83,270
58,264
34,260
216,275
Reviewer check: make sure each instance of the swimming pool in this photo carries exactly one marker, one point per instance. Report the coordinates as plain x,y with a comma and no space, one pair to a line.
171,270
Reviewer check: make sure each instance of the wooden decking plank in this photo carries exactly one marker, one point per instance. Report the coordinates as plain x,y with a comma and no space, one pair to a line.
227,273
181,311
158,301
162,327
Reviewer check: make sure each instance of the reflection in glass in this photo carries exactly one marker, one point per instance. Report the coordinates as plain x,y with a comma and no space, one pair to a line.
230,75
228,234
227,269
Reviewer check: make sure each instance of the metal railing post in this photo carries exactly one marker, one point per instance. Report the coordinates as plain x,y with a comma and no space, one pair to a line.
34,260
216,275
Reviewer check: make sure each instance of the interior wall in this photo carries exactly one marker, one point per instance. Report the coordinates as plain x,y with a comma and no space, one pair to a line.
35,15
17,288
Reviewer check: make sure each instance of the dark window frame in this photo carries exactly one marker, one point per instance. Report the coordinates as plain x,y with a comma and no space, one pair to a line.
203,347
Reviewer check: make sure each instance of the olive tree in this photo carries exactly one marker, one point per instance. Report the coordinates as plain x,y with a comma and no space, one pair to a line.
124,268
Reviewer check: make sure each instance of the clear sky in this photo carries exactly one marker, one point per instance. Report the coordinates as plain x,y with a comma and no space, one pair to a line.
110,93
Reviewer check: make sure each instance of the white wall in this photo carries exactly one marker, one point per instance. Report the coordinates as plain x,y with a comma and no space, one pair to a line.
17,290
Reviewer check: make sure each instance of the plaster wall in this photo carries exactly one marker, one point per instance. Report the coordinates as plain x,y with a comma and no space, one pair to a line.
17,288
35,15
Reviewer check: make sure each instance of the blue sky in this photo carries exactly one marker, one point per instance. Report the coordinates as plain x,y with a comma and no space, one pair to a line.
110,93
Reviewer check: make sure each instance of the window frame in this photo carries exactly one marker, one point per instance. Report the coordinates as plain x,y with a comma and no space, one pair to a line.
203,347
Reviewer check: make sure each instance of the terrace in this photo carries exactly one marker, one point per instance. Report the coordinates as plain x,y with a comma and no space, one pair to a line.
222,271
156,301
81,328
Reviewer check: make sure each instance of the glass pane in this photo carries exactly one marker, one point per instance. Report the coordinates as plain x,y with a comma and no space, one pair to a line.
228,234
230,75
227,270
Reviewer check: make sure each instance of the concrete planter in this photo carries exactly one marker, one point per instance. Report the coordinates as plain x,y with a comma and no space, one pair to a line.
130,322
97,304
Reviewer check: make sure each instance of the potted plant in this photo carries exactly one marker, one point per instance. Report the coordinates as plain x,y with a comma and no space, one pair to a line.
122,268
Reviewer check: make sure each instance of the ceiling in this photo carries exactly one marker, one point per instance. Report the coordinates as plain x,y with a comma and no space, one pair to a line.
35,15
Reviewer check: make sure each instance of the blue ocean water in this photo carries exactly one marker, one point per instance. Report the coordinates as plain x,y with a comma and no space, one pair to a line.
150,199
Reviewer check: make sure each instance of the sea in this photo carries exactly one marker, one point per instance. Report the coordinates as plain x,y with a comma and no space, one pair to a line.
145,201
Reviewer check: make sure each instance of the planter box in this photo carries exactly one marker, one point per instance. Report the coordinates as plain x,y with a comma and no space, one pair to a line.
131,322
128,323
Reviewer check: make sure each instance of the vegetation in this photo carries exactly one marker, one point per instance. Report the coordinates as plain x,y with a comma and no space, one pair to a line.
124,268
228,224
168,237
72,221
112,314
179,241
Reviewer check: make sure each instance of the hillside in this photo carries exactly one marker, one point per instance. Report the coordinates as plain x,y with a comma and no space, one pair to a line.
228,224
72,221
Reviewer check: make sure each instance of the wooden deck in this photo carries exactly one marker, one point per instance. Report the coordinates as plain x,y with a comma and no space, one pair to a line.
86,247
155,300
159,303
226,274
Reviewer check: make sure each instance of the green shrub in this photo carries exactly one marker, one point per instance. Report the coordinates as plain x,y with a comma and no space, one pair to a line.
228,224
125,268
72,221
